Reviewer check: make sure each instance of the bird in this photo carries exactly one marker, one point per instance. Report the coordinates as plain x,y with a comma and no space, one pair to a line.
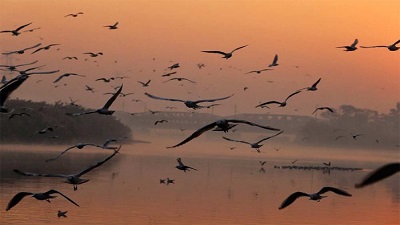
70,57
31,30
188,103
112,27
91,54
294,161
145,84
220,125
200,65
18,114
255,145
281,104
356,136
162,181
160,121
87,88
262,163
67,75
44,130
74,14
258,71
72,102
182,166
391,47
170,181
16,31
350,48
105,110
226,55
44,48
313,87
179,79
74,179
323,108
174,66
7,89
12,68
314,196
274,62
61,213
168,74
327,164
381,173
39,196
22,51
105,79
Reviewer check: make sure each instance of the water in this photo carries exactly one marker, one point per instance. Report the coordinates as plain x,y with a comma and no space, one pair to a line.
229,187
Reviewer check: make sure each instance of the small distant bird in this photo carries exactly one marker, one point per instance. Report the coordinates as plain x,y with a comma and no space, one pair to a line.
281,104
226,55
12,68
18,114
179,79
72,102
262,163
153,112
44,48
170,181
105,110
31,30
356,136
79,146
313,87
258,71
274,62
145,84
87,88
200,65
176,65
255,145
70,57
22,51
160,121
327,164
245,88
315,196
67,75
182,166
112,27
350,48
92,54
74,14
44,131
323,108
162,181
294,161
379,174
168,74
220,125
16,31
61,213
391,47
105,79
39,196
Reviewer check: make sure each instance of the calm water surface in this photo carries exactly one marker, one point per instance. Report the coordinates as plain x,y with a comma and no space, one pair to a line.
228,188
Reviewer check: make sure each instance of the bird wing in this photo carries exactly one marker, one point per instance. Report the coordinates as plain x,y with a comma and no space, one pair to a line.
36,50
295,93
238,48
228,139
269,137
396,42
335,190
19,28
316,83
354,43
16,199
115,24
253,124
315,111
219,52
52,191
160,98
189,80
196,134
59,78
267,103
289,200
213,100
38,174
9,87
112,99
180,162
327,108
379,174
66,150
35,46
275,59
98,164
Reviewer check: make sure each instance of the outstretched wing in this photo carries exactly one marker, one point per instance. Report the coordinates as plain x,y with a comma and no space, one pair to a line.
9,87
228,139
316,83
19,28
379,174
196,134
75,146
289,200
219,52
269,137
354,43
160,98
99,163
275,59
238,48
213,100
334,190
38,174
253,124
16,199
295,93
180,162
267,103
52,191
59,78
112,99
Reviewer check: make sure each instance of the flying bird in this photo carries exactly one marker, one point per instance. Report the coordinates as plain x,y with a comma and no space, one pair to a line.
160,121
74,179
391,47
61,213
255,145
221,125
18,114
274,62
176,65
74,14
350,48
315,196
12,68
323,108
7,89
189,103
44,48
281,104
22,51
258,71
356,136
379,174
87,88
67,75
70,57
39,196
313,87
168,74
145,84
112,27
105,110
16,31
182,166
31,30
262,163
226,55
179,79
92,54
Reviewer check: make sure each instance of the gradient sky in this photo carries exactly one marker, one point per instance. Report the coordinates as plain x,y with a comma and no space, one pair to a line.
303,33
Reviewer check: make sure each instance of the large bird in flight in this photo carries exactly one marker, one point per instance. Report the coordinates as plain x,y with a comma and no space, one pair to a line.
16,31
226,55
281,104
350,48
391,47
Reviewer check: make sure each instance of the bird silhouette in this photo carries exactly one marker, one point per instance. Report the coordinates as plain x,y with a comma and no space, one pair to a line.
44,48
323,108
145,84
313,87
105,110
226,55
255,145
381,173
281,104
22,51
74,14
16,31
274,62
182,166
112,27
67,75
391,47
350,48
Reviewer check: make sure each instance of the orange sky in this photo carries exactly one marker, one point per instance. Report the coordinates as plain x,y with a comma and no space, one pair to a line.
302,33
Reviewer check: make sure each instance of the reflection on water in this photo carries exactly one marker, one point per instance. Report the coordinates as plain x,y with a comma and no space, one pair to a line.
229,188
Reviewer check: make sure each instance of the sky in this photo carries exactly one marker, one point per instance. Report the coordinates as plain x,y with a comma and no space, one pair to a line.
153,35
